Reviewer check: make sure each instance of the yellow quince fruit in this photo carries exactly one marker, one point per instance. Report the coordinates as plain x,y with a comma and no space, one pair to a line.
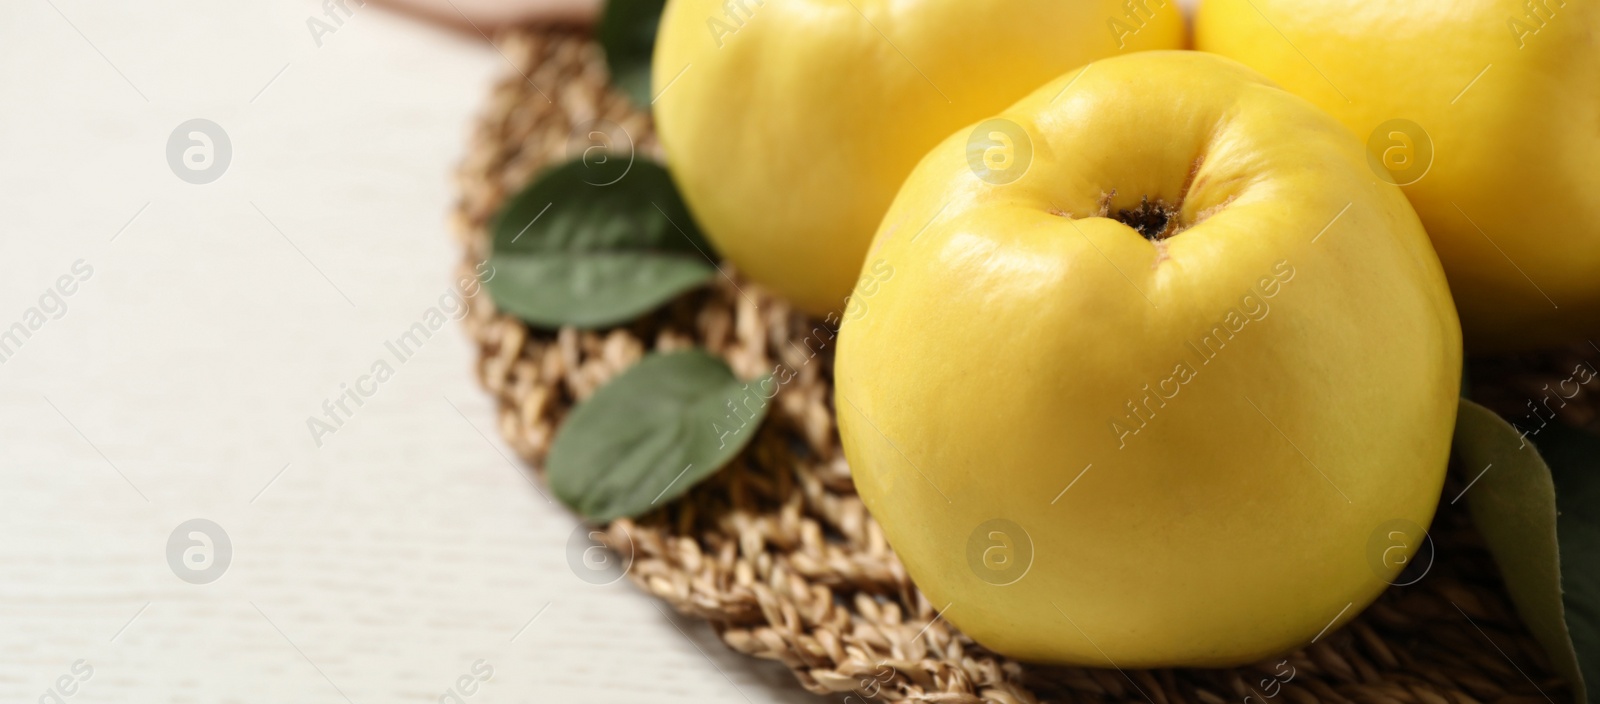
1487,112
1182,393
790,124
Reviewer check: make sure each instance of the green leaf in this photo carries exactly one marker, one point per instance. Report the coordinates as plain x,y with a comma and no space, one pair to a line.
627,33
1574,458
594,243
654,432
1542,524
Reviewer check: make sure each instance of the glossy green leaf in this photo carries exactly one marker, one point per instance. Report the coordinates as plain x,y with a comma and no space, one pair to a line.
652,433
627,33
594,243
1537,504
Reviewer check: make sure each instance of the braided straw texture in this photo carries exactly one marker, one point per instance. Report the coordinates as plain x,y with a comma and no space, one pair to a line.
778,553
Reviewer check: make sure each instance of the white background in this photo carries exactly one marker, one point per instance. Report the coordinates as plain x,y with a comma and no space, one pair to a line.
376,568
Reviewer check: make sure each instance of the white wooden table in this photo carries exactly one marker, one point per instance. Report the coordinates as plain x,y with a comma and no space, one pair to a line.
207,322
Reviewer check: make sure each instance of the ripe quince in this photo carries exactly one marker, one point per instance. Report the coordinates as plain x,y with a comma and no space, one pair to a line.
1177,389
790,125
1487,112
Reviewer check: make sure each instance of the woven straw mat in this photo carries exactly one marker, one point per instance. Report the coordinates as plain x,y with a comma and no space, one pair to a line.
779,555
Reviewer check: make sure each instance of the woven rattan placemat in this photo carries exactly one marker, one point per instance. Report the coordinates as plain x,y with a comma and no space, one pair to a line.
779,554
